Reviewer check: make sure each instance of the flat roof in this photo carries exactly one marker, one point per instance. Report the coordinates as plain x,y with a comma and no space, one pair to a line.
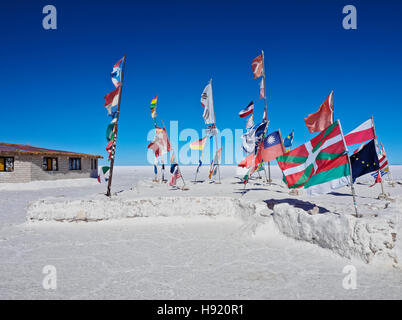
12,148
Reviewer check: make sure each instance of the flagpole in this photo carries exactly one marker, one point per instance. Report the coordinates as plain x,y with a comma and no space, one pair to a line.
353,189
178,168
265,109
196,172
216,138
382,194
109,185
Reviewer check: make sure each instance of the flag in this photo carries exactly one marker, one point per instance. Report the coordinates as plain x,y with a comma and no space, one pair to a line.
377,179
262,89
257,67
111,102
199,144
289,140
102,171
109,148
207,102
246,111
272,147
154,101
199,165
173,167
111,130
176,175
362,133
320,165
383,160
116,73
173,163
250,122
320,120
364,161
252,137
383,173
211,130
215,162
255,163
161,144
247,161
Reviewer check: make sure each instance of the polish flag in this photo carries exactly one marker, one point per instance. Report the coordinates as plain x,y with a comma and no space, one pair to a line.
362,133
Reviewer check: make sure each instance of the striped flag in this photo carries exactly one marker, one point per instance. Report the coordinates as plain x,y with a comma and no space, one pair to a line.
362,133
247,110
154,101
111,102
320,165
176,175
199,144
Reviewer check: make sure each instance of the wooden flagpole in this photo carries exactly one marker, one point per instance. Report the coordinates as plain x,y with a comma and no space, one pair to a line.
109,184
265,110
382,194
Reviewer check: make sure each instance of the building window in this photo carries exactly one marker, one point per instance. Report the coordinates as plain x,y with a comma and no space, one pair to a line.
94,164
6,164
50,164
74,164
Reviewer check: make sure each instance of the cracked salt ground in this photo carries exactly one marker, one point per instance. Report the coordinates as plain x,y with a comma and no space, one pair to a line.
172,257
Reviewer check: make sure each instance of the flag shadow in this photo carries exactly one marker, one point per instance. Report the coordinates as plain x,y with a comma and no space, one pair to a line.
305,205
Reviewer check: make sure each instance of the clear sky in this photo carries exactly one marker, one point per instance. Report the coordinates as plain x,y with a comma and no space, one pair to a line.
54,81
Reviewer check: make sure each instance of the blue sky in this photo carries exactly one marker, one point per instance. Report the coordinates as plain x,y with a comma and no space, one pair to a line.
54,81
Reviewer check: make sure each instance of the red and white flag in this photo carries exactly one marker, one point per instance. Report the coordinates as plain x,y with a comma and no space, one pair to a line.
109,148
262,89
161,144
362,133
112,100
246,111
257,66
323,118
176,175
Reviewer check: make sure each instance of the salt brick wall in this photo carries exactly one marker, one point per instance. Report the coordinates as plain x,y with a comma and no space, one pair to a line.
29,168
63,173
22,170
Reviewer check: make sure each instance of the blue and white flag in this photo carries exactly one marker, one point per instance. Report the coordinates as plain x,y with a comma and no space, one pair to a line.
289,139
116,73
252,137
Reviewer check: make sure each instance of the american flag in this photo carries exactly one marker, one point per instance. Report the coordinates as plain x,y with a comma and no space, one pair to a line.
176,175
384,168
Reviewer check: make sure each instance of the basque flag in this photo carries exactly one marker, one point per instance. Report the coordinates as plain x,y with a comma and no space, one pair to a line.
248,110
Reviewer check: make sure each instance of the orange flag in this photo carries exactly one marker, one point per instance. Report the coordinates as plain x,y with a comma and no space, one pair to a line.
257,67
316,122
